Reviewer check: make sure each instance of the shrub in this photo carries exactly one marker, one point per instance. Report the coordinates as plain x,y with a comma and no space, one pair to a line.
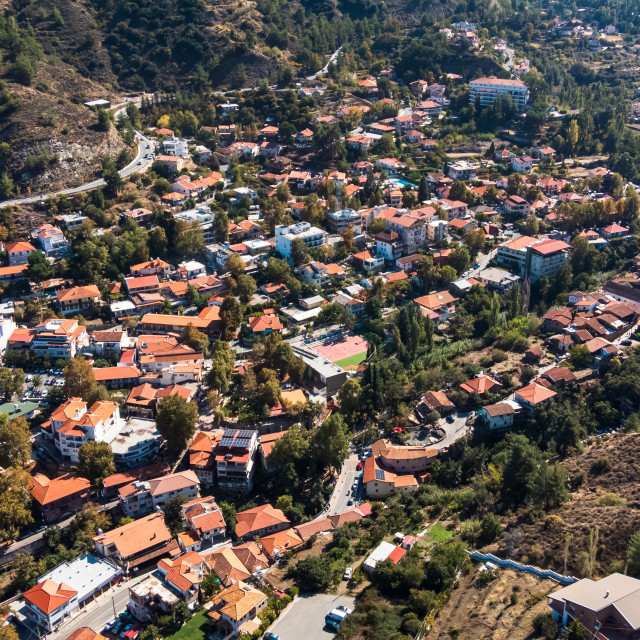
514,598
485,577
533,599
601,465
470,530
553,522
611,500
545,625
498,355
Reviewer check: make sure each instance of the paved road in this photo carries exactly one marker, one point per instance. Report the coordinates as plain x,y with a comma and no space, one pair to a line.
8,553
304,618
509,61
323,71
137,164
342,492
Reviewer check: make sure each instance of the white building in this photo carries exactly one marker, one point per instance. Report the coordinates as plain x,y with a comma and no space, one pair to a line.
285,236
343,218
463,170
437,230
51,240
178,147
7,327
535,257
63,590
487,90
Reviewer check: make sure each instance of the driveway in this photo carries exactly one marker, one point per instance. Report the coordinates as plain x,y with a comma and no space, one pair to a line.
342,492
304,618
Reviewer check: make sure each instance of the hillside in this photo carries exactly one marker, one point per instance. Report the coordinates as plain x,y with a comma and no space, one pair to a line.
609,467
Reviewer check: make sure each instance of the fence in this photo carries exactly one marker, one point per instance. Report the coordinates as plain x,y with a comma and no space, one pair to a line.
526,568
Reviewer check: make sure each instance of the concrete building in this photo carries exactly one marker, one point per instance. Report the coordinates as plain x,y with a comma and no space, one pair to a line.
286,235
178,147
235,459
64,590
535,257
487,90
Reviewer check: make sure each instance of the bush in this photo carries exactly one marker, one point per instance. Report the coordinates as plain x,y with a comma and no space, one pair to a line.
553,522
545,625
601,465
514,599
485,577
497,355
611,500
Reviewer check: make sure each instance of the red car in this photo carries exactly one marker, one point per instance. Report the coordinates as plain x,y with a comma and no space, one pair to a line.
359,467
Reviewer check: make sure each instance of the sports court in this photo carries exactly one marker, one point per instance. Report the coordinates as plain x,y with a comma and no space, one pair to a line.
346,351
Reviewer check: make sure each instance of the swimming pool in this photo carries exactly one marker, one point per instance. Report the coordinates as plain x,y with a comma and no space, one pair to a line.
404,183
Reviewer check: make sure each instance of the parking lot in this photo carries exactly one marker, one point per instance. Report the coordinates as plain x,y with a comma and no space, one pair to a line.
304,618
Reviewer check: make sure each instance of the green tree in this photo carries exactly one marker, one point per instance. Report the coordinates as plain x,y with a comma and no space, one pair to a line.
15,441
176,421
330,443
188,239
173,514
313,573
460,259
157,242
95,462
79,380
11,382
39,267
580,356
423,189
222,366
231,314
349,399
299,252
196,339
221,226
15,503
633,555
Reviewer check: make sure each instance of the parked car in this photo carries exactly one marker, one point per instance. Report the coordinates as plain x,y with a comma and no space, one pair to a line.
626,343
270,636
348,573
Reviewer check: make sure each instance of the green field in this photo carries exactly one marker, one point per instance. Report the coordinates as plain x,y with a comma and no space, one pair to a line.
196,629
439,533
352,361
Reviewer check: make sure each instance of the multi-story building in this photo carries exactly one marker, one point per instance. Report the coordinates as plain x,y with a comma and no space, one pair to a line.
535,257
51,240
19,252
100,423
139,498
178,147
58,338
235,609
57,497
487,90
63,590
136,543
286,235
412,232
517,206
260,521
342,218
463,170
315,273
77,299
7,327
205,520
154,267
235,459
437,230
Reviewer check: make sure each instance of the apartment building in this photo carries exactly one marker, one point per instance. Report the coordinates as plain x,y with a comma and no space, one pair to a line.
59,496
178,147
139,498
412,232
536,257
463,170
57,338
487,90
235,610
286,235
235,459
517,206
154,267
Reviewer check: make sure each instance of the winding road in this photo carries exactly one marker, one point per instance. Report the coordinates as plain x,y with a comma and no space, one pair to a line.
323,71
139,163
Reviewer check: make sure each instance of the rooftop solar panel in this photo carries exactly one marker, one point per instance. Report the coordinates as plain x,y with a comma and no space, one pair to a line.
379,474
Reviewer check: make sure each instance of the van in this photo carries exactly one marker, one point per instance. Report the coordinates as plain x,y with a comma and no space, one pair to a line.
334,618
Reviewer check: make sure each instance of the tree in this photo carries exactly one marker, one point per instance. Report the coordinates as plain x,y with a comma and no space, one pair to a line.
11,382
230,317
235,266
221,226
39,267
157,241
79,380
459,259
188,239
15,441
490,528
8,632
15,502
313,573
245,287
574,630
349,398
423,189
181,613
633,555
222,366
474,241
113,181
269,388
573,134
531,226
173,514
176,421
330,443
299,252
95,462
550,486
196,339
580,356
215,401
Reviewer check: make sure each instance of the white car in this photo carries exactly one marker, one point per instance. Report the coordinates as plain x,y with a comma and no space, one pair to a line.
347,574
342,607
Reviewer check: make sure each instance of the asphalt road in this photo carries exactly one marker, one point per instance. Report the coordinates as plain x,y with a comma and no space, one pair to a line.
137,164
323,71
304,618
342,491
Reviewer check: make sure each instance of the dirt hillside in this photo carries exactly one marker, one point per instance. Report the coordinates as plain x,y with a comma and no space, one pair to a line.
476,612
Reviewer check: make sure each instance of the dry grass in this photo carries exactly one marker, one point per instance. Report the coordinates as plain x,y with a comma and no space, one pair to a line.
476,612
